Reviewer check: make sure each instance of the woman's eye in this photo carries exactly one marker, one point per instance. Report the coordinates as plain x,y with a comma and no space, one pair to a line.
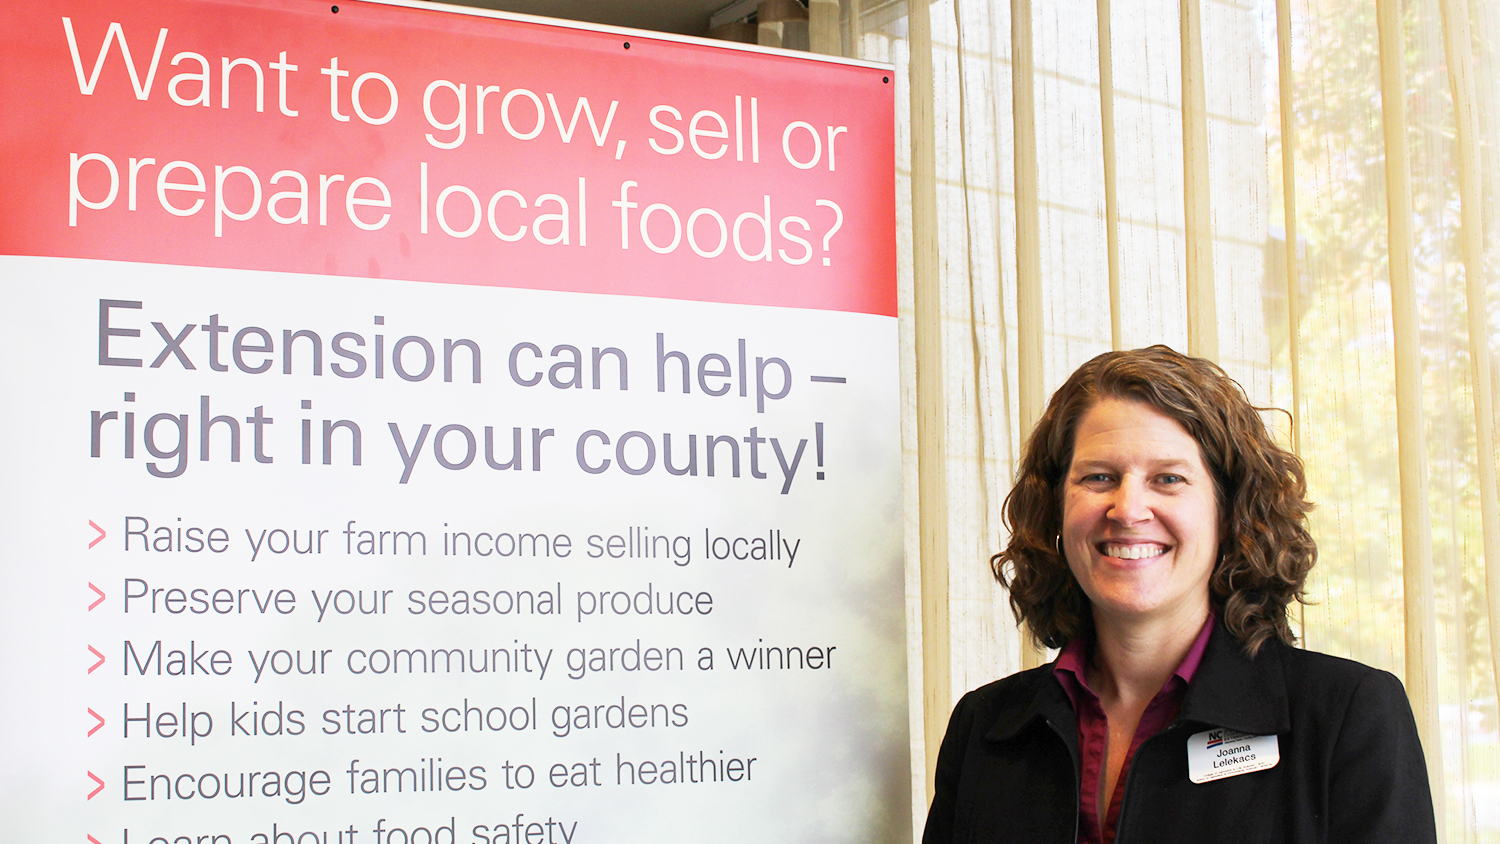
1172,479
1096,478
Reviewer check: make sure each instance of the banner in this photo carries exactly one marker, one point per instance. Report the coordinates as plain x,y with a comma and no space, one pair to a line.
427,427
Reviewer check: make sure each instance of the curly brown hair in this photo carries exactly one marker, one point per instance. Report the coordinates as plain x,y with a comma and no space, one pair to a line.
1265,550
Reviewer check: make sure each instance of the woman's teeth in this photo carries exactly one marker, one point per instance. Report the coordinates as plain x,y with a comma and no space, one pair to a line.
1133,552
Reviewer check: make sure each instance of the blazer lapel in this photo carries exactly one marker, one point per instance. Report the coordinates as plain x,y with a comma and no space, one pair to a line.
1044,700
1232,690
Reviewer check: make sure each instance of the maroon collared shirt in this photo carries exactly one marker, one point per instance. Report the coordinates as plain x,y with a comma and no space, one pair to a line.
1093,729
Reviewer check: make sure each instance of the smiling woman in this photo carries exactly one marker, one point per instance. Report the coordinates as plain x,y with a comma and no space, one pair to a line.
1158,538
1261,548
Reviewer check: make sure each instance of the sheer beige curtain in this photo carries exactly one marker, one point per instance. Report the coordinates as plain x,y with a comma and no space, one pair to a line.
1307,191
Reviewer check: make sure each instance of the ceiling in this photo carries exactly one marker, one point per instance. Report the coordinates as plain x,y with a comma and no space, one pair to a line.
683,17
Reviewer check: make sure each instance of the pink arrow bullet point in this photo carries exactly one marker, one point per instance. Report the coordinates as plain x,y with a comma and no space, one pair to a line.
100,537
96,790
98,725
92,838
100,600
97,664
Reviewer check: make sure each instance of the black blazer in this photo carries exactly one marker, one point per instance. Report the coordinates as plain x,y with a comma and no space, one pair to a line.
1351,766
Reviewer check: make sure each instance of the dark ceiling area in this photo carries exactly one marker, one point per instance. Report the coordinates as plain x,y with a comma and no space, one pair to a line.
682,17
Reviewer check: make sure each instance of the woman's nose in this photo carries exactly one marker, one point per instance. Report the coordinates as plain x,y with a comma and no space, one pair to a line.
1130,505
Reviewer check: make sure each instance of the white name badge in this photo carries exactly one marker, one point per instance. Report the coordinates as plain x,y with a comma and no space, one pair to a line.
1219,753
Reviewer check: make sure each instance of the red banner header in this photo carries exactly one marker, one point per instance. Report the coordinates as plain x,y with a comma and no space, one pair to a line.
380,141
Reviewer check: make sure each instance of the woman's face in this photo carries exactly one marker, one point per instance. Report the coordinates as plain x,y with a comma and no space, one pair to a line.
1140,516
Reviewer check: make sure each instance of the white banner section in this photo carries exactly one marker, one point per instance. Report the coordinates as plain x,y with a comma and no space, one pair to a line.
296,559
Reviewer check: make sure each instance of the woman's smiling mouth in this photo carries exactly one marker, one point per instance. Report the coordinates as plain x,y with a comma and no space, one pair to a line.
1135,551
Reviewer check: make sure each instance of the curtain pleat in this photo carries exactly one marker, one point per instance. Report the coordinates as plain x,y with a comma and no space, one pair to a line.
1110,183
1202,315
1457,39
1030,329
1416,527
931,439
